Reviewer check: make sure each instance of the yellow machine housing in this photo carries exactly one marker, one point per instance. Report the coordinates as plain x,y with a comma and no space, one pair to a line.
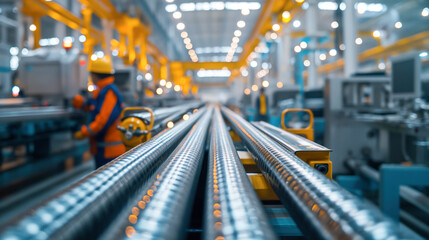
133,129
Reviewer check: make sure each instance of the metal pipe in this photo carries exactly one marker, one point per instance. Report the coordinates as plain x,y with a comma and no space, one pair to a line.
164,205
84,209
320,207
232,209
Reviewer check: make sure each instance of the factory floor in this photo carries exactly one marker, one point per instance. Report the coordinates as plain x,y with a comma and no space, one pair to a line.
33,195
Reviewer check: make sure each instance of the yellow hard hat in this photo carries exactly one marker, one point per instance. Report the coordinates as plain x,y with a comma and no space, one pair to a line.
101,65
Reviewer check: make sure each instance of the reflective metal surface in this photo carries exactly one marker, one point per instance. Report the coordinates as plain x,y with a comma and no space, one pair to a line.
320,207
84,209
232,211
165,204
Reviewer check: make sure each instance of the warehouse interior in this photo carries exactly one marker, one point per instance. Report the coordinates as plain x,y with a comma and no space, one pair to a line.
214,119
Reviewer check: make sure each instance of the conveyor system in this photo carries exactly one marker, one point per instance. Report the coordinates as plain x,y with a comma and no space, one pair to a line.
81,211
232,210
310,152
149,192
321,208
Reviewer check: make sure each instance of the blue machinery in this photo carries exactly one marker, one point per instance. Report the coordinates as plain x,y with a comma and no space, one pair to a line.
149,192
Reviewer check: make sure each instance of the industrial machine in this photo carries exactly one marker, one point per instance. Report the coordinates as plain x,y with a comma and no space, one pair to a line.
378,129
164,189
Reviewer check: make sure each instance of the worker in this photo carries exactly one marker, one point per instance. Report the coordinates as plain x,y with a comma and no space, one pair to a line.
262,106
105,107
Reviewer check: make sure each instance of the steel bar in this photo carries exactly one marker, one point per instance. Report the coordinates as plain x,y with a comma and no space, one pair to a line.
164,205
320,207
84,209
232,209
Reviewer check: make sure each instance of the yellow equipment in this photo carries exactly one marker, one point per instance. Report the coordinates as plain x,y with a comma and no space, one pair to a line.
101,65
308,132
135,130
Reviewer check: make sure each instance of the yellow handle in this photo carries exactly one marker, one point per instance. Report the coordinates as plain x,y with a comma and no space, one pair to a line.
139,109
308,131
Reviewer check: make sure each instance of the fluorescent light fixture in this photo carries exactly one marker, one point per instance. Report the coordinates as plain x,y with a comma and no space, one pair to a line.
177,15
237,33
423,54
171,7
245,11
180,26
14,62
219,49
425,12
14,51
398,25
241,24
296,24
213,73
333,52
169,1
363,7
328,6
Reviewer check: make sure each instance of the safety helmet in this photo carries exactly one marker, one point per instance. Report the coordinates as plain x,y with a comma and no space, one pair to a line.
101,65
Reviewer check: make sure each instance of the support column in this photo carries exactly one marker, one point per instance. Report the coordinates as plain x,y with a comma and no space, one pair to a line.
350,34
311,17
284,55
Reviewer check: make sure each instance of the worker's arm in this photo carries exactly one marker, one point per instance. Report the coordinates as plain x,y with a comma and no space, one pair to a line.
103,116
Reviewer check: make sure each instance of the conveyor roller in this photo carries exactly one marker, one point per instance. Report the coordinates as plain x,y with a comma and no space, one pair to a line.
232,211
320,207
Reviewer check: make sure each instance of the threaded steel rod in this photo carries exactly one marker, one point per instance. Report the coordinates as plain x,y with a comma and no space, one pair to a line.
232,209
84,209
320,207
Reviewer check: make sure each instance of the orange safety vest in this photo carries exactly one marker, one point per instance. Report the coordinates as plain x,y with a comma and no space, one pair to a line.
262,105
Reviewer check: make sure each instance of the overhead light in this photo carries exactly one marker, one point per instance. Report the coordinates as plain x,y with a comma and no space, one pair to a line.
254,87
297,49
245,11
307,63
425,12
213,73
334,24
170,124
162,82
299,1
159,91
180,26
253,63
398,25
279,84
177,88
328,6
343,6
247,91
358,41
32,27
423,54
286,17
363,7
93,57
189,46
342,47
168,85
382,66
185,117
241,24
235,39
303,45
273,36
148,76
186,40
296,24
219,6
191,52
244,73
184,34
265,84
376,34
82,38
333,52
14,51
322,57
276,27
237,33
171,7
177,15
169,1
